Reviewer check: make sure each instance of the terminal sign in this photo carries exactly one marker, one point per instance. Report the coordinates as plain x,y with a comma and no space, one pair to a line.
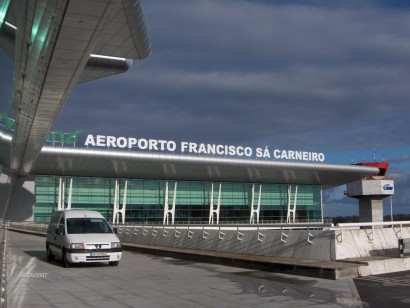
159,145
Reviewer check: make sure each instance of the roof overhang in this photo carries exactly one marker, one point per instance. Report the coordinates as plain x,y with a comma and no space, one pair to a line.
62,161
51,43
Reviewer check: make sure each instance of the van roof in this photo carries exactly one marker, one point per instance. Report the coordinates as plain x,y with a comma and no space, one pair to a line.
81,214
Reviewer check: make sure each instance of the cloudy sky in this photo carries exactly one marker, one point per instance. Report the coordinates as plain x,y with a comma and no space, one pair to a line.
324,76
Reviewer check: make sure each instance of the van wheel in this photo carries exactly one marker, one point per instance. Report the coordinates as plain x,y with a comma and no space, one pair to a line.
113,263
50,256
65,260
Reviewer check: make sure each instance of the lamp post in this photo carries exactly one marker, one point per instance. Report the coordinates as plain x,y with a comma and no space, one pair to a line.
391,207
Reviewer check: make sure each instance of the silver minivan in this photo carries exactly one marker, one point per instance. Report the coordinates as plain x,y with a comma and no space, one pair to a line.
77,236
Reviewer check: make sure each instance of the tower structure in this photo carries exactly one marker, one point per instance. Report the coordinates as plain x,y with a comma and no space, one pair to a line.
371,191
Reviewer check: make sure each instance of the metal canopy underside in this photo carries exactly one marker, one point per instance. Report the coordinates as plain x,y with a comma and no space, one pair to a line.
137,165
53,41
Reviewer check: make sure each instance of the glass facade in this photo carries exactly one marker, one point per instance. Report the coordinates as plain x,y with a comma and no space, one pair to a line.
145,199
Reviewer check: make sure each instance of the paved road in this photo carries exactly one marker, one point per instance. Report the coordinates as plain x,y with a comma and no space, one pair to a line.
152,281
387,290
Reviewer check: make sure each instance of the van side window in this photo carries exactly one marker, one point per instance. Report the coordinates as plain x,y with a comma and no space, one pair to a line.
61,224
54,221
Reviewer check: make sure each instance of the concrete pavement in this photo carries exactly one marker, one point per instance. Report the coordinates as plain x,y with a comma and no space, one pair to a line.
143,280
386,290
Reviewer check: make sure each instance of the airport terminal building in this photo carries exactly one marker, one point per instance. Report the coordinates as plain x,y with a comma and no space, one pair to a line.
131,182
145,199
47,49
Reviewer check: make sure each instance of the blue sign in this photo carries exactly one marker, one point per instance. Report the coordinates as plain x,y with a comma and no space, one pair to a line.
387,187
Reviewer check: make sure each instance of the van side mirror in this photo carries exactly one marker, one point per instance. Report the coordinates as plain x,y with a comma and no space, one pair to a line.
115,230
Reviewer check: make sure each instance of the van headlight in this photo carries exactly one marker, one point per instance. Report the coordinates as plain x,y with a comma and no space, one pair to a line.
77,246
115,245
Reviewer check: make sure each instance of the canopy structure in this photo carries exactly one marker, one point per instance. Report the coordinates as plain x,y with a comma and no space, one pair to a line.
56,45
71,161
140,165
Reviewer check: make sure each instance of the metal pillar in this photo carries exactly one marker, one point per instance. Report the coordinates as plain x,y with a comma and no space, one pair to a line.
292,210
167,210
61,195
321,204
255,212
60,204
117,210
70,193
212,211
391,208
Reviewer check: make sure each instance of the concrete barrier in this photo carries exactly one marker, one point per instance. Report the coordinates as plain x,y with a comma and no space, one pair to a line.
222,240
329,244
314,245
241,241
306,244
359,243
261,242
205,241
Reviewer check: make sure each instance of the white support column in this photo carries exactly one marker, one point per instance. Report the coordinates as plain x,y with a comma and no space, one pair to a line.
259,202
70,193
115,207
174,201
292,209
59,194
255,212
117,210
216,211
321,203
167,211
63,194
289,209
166,204
295,203
124,203
251,219
211,206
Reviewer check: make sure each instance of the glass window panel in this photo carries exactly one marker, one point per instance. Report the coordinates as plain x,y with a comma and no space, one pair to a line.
146,199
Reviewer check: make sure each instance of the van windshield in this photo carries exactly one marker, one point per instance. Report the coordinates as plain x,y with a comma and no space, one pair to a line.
87,225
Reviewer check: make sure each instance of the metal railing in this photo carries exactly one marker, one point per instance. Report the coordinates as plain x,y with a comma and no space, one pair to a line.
232,222
356,225
29,226
233,226
42,228
368,227
154,230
